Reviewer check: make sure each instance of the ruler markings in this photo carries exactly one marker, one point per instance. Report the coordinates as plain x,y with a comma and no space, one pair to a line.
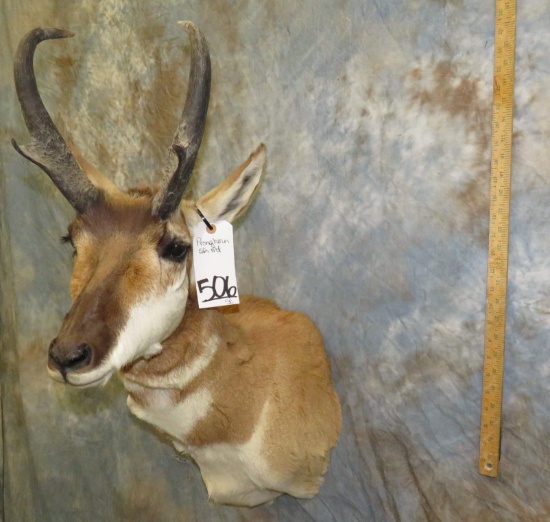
497,266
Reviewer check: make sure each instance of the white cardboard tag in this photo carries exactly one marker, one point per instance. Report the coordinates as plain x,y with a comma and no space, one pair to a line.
214,264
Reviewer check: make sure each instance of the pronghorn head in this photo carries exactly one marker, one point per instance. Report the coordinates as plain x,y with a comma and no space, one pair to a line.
132,268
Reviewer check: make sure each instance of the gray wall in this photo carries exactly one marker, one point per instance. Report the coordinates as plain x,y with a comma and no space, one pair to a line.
372,219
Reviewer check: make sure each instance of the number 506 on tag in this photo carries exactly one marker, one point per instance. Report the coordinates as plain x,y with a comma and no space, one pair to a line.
214,263
219,288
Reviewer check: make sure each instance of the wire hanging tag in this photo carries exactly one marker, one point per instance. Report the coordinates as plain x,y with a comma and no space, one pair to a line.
205,221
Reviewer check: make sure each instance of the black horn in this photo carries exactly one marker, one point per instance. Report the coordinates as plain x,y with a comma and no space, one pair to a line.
47,148
188,137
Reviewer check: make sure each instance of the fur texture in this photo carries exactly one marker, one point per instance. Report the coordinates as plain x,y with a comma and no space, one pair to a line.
265,414
372,219
248,394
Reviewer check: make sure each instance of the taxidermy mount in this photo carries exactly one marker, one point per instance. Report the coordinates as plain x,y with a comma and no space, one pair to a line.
247,395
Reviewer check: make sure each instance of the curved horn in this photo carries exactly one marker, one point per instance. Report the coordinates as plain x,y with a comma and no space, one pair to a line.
47,148
188,137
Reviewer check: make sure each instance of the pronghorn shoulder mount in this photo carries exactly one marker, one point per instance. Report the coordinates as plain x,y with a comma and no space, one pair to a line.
248,395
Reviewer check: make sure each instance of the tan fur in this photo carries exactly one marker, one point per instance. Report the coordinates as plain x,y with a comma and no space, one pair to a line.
265,356
246,392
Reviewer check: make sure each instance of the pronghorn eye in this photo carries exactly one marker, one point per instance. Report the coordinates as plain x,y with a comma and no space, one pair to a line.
176,251
68,239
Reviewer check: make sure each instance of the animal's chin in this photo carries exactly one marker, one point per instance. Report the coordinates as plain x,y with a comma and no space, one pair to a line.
90,379
100,376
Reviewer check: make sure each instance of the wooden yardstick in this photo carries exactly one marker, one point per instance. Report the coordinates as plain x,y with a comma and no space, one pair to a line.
499,215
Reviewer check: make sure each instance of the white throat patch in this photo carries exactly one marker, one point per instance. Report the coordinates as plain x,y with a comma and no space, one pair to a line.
149,323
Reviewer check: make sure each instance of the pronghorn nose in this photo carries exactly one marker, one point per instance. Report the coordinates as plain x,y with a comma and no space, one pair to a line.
66,358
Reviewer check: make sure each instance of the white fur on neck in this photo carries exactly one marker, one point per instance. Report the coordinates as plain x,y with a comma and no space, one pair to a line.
180,376
175,419
238,473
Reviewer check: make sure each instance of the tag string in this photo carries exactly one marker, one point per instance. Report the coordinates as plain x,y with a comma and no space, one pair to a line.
206,222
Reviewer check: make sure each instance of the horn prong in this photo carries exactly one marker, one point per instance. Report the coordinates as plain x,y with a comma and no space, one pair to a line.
188,136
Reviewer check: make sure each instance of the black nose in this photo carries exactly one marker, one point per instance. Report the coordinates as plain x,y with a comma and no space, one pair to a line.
69,358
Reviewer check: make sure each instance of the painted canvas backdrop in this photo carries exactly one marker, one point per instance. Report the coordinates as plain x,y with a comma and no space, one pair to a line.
372,219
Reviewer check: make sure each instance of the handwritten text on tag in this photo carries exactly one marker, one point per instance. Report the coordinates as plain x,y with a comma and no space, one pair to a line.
214,263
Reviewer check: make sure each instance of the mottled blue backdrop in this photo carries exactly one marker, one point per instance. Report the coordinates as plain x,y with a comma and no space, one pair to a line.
372,219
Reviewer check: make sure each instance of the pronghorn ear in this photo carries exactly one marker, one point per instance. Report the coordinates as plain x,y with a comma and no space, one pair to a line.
231,197
97,178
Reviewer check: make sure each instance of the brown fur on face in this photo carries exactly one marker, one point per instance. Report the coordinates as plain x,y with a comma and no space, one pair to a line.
248,394
117,265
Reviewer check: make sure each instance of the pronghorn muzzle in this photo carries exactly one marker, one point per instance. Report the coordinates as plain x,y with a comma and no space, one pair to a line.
69,358
88,333
79,351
